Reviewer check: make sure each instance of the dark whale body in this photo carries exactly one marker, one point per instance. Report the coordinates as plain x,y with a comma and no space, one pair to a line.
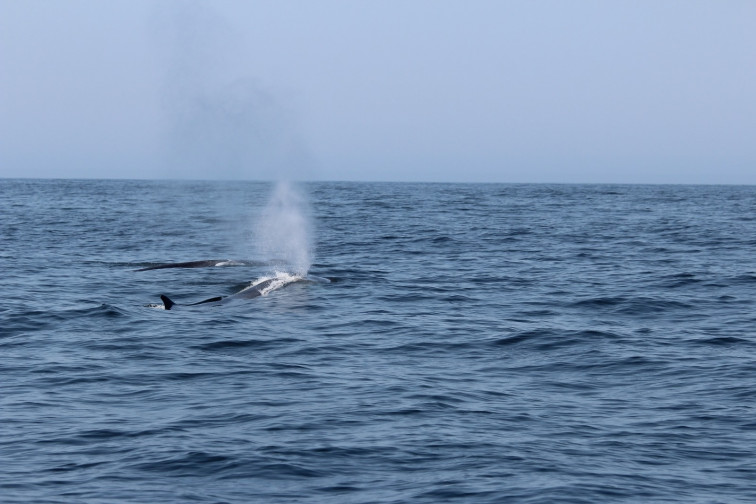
256,289
204,264
250,292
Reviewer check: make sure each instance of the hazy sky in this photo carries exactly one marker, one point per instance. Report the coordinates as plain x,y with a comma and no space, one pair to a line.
491,91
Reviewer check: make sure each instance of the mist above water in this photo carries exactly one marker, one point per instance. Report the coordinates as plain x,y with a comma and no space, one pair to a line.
218,120
284,230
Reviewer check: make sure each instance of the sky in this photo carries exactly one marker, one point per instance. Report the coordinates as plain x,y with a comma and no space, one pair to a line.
585,91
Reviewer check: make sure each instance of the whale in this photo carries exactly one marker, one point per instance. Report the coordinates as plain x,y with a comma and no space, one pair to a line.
258,288
205,264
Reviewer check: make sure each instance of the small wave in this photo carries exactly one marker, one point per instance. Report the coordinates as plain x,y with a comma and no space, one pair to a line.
103,434
192,463
30,320
599,302
632,305
679,280
22,323
107,311
431,347
721,341
746,278
549,339
233,344
72,466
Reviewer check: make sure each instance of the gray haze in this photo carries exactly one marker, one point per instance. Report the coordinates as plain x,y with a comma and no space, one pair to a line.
499,91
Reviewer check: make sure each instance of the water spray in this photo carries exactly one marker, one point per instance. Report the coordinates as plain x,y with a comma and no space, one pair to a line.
284,230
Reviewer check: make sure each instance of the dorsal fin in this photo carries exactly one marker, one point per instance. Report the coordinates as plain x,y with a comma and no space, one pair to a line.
167,303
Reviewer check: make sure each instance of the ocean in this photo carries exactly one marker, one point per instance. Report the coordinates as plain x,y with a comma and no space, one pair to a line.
430,343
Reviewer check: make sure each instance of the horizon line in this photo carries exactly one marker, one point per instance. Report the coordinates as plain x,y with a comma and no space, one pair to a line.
353,181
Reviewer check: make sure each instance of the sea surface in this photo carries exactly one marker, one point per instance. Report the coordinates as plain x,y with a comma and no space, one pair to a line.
442,343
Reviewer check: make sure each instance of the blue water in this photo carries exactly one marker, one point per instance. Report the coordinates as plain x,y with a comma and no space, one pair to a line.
475,343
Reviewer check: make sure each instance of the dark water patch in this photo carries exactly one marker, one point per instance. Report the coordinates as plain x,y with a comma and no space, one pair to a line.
551,339
74,467
32,319
20,324
626,365
642,306
63,382
440,348
406,298
246,344
458,298
190,464
282,471
188,376
639,306
744,279
105,434
600,302
679,280
722,341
